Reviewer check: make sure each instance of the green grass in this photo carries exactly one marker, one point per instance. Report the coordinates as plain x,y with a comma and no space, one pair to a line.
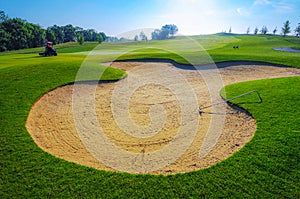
208,49
259,48
61,48
268,166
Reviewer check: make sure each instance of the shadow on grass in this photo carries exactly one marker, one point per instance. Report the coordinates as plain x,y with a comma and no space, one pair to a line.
208,66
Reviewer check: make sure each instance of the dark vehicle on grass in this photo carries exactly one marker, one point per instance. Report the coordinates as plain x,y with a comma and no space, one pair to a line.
49,50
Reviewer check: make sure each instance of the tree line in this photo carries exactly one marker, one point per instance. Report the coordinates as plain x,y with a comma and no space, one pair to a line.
17,33
166,32
285,30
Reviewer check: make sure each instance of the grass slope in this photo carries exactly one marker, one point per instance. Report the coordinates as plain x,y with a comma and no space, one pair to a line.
208,49
61,48
268,166
259,48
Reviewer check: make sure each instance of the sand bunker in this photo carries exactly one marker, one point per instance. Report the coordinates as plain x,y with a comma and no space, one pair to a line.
291,50
51,120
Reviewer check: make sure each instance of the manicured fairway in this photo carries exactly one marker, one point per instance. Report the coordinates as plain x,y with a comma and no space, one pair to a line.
268,166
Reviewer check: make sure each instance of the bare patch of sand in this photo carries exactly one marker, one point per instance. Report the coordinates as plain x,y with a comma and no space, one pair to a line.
51,122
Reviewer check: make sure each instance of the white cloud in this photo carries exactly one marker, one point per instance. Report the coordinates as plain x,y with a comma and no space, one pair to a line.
279,6
283,7
261,2
243,12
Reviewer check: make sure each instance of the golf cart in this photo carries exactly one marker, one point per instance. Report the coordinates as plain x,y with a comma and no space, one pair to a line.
49,50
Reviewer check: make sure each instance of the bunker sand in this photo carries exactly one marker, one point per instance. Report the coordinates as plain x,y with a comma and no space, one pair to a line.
52,127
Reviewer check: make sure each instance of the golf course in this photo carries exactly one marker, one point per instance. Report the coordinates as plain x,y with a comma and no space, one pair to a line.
160,84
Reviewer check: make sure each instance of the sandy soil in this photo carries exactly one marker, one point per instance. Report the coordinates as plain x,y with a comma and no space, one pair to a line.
159,114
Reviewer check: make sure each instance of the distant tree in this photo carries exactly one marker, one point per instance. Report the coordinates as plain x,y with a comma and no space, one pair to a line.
92,35
112,39
155,34
264,30
103,35
136,38
248,30
78,29
170,28
89,34
3,16
50,35
143,36
85,33
69,32
255,31
229,31
37,35
100,39
275,30
123,39
4,35
4,39
59,34
297,30
80,38
286,29
18,33
165,32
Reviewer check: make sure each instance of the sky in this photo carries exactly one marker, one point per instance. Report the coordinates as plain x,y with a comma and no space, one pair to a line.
192,17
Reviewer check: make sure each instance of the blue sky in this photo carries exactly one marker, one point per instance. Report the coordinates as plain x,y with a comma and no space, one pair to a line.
191,16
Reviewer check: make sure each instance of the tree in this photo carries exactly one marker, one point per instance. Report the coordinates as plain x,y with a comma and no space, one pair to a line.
136,38
100,39
143,36
80,38
37,35
155,34
123,40
4,39
255,30
264,30
164,32
229,31
170,29
18,33
286,29
248,30
275,30
4,35
59,34
50,35
69,32
93,35
89,34
103,36
111,39
297,30
3,16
